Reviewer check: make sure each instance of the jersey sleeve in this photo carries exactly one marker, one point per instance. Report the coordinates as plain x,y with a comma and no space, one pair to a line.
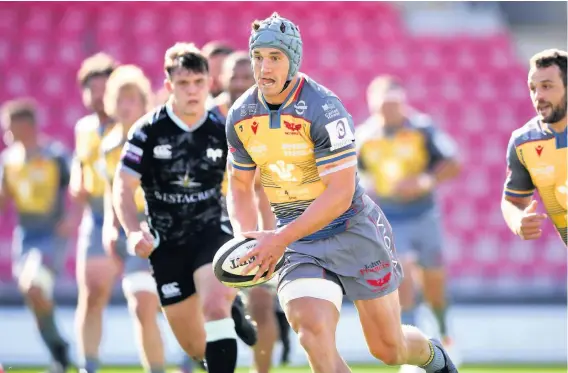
136,151
334,140
518,182
238,155
439,144
64,163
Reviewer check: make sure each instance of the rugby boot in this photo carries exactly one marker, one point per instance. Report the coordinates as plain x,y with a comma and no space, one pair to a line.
450,367
244,325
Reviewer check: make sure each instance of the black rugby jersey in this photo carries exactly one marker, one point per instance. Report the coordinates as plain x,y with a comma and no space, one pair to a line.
181,171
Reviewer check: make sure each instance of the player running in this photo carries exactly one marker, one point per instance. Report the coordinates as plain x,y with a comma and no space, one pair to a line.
96,271
405,157
536,155
34,174
338,241
127,98
236,78
177,154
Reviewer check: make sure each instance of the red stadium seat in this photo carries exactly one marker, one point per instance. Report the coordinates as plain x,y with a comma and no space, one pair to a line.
473,85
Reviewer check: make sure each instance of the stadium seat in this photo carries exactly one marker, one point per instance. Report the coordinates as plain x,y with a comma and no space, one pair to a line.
472,85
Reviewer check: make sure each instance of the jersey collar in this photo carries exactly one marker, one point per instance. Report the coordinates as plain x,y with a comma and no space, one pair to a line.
177,120
291,98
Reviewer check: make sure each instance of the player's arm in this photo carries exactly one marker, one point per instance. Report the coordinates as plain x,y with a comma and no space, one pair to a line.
518,190
74,209
133,164
241,171
336,160
266,218
110,218
444,163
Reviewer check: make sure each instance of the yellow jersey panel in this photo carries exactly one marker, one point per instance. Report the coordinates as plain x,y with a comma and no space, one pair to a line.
389,160
112,145
88,139
536,159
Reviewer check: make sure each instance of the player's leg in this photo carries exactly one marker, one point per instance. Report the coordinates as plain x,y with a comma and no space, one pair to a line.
172,272
403,232
433,271
35,267
261,308
284,333
140,292
376,298
221,337
311,299
96,273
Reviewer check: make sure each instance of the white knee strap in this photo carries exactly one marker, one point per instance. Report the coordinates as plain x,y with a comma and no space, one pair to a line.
313,288
220,329
135,282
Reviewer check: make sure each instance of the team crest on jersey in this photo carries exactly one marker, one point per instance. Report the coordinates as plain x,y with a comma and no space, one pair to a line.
292,128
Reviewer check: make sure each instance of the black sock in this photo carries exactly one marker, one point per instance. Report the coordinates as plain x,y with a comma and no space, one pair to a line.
221,356
50,334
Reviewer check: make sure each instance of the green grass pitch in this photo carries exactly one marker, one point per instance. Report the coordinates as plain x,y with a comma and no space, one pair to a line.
355,369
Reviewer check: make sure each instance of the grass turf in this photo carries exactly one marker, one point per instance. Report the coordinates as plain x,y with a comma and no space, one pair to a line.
355,369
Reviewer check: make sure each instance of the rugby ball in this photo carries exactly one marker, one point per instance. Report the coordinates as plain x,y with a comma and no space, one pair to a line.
229,272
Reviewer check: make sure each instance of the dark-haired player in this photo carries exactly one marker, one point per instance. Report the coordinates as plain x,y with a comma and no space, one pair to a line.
34,175
178,154
334,238
536,156
216,52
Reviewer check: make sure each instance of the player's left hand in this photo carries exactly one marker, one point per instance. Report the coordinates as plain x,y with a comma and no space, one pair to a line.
414,187
269,248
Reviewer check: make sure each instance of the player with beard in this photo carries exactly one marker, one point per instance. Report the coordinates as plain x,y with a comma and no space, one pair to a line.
178,155
236,78
536,155
216,52
96,271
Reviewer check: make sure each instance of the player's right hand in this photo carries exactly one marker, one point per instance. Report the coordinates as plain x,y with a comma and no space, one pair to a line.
140,243
529,226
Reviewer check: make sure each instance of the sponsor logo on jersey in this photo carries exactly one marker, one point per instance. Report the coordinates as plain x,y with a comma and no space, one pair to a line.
163,152
214,154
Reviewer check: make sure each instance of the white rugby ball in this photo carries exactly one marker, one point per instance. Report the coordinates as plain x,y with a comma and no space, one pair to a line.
230,273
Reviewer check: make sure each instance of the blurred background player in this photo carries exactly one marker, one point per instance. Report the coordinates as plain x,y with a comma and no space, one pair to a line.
127,98
536,155
236,78
404,158
216,52
96,271
34,174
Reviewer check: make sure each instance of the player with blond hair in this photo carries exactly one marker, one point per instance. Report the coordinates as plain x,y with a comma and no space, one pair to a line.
128,97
